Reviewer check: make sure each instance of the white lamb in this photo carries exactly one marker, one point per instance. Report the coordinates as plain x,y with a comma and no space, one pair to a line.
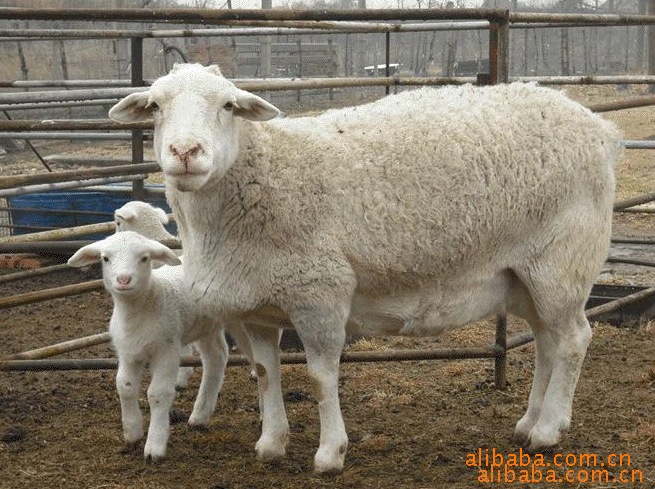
144,219
153,318
148,220
412,215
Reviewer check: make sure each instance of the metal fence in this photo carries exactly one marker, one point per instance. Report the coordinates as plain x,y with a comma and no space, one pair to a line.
497,24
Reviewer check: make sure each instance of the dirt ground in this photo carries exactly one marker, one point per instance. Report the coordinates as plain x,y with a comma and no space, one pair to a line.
411,425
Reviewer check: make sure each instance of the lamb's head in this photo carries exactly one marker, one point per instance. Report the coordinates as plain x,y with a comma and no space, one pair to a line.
141,217
195,111
126,260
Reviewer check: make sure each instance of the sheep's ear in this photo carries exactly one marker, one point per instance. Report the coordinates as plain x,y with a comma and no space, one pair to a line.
87,255
254,108
164,254
214,69
135,107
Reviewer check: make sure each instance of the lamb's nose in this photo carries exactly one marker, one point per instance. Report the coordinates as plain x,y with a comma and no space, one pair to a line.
123,279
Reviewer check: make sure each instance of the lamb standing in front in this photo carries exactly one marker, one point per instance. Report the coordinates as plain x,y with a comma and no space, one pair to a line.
414,214
149,221
153,318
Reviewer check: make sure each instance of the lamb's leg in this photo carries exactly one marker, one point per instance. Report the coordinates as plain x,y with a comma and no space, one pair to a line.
214,353
240,336
128,386
184,373
275,426
322,332
161,394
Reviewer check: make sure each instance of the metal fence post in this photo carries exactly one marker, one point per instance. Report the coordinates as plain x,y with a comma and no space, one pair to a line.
136,54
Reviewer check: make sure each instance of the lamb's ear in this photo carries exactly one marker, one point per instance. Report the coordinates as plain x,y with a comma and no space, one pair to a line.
124,214
135,107
164,254
161,214
87,255
254,108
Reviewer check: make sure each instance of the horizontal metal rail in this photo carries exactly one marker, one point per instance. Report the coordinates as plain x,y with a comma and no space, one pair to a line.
68,185
493,351
218,17
68,175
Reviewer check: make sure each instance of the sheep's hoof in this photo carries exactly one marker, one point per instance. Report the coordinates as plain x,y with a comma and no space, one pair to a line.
154,459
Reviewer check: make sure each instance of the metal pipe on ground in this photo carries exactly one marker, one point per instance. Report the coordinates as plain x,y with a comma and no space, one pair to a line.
59,348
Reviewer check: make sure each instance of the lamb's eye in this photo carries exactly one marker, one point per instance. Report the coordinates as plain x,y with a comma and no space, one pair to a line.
228,106
144,259
105,259
118,223
153,106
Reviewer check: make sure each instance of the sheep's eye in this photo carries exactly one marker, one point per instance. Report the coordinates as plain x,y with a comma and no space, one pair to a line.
144,259
118,223
228,106
105,259
153,106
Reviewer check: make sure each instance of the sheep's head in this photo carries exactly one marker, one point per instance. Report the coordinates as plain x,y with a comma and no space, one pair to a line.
194,110
126,260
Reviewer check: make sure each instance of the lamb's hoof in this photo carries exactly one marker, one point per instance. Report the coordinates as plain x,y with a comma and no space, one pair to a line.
130,448
269,453
176,416
330,464
199,427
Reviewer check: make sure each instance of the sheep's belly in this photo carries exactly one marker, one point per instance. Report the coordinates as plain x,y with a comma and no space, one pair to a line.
430,310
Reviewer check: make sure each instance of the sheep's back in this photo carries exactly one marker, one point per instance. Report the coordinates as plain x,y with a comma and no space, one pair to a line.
434,178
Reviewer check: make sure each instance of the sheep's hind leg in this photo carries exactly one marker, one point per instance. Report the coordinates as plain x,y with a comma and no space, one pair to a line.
214,352
322,333
273,440
128,386
570,338
542,373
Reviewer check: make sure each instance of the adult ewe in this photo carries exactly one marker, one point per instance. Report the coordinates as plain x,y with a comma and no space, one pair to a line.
414,214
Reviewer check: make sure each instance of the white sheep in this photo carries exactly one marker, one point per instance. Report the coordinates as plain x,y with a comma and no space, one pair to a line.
153,318
148,220
414,214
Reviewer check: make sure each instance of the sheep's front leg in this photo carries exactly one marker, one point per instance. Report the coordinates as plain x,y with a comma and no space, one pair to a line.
161,394
275,427
214,352
128,386
322,332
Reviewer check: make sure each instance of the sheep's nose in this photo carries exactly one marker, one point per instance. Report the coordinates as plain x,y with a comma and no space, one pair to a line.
185,151
123,279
